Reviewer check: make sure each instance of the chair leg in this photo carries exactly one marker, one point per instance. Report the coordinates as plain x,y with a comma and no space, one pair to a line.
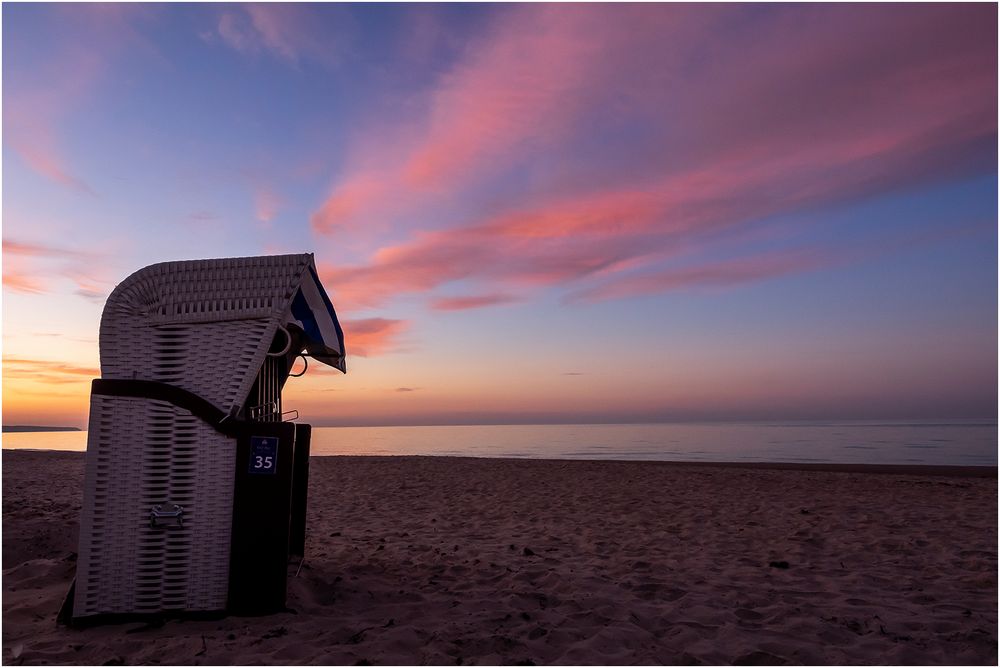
300,489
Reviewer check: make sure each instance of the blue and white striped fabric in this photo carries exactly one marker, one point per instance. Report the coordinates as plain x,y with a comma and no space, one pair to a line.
313,313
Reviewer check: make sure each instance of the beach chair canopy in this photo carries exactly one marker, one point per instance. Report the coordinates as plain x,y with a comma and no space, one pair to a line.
311,312
206,325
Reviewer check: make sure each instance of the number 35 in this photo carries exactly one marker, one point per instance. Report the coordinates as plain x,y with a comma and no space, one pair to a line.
262,462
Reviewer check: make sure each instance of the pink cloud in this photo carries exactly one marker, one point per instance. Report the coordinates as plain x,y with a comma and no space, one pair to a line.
266,203
29,268
710,275
47,371
477,253
38,149
32,116
286,31
16,280
41,94
524,86
16,276
741,133
469,302
369,337
519,86
598,234
89,287
605,233
347,201
11,247
277,29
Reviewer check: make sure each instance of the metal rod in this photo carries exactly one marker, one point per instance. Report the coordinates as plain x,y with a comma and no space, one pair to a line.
277,388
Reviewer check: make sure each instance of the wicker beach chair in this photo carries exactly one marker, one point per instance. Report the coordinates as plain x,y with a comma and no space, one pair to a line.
194,493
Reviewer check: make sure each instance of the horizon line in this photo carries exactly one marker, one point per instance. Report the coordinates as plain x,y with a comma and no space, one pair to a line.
990,421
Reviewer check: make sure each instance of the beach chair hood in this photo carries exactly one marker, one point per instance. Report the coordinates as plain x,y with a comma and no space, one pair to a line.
210,323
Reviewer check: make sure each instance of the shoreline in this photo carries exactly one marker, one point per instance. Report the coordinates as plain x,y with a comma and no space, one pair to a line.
951,471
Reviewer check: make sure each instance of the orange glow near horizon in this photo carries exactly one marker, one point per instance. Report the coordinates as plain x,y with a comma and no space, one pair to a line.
397,389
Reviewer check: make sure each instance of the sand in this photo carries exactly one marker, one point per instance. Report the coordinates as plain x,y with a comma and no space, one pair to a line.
447,560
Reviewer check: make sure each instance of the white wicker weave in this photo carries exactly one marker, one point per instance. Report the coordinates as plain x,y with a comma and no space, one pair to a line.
204,326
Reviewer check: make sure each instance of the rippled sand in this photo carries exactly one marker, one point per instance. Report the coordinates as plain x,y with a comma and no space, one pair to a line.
446,561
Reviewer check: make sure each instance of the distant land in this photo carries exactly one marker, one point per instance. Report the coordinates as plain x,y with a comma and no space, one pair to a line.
33,427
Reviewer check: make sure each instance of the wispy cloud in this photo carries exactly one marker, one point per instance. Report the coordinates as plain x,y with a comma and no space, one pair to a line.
40,250
41,94
524,86
203,216
87,286
352,196
36,145
725,274
870,116
469,302
266,203
33,115
292,33
31,268
525,83
60,335
368,337
487,252
236,36
17,280
47,371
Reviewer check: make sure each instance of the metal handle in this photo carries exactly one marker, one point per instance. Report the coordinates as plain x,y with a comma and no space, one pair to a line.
288,343
305,360
262,411
174,516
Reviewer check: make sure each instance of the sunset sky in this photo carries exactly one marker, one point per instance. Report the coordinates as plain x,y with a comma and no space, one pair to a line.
526,213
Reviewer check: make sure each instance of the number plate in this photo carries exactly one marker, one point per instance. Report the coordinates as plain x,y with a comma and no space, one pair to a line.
263,455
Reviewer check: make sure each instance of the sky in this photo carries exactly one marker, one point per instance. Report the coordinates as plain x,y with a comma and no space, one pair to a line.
526,213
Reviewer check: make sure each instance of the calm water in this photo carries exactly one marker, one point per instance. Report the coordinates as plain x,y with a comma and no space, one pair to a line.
954,443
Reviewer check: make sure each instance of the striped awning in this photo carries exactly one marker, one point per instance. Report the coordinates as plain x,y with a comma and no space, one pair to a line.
312,312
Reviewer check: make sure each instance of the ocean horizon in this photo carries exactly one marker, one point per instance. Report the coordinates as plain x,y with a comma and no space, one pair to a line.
937,443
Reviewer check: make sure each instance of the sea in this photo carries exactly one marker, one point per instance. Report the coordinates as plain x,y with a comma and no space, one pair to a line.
949,443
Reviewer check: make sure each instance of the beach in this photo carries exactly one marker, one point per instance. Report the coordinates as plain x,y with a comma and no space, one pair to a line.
436,560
